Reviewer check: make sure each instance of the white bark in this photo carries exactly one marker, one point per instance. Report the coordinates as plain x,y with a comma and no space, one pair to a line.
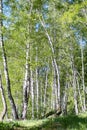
26,85
52,98
41,99
32,94
14,110
74,88
74,80
45,89
75,92
54,59
80,96
3,101
37,87
54,89
83,83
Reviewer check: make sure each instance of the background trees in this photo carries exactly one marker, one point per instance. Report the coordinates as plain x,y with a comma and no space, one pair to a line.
45,51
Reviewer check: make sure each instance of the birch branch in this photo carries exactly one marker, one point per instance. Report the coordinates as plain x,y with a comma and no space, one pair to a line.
46,32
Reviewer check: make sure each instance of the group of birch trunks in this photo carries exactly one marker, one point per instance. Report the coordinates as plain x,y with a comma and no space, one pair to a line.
52,87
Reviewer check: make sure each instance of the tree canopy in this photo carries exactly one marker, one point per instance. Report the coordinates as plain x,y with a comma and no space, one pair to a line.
43,61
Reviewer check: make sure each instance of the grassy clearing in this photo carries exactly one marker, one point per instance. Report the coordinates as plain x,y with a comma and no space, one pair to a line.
23,125
70,122
33,124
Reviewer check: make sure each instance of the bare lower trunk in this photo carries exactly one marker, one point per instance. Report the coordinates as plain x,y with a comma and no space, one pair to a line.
41,100
65,97
32,94
74,80
58,83
80,95
75,93
53,97
14,111
83,83
54,89
3,100
26,85
74,84
45,90
37,87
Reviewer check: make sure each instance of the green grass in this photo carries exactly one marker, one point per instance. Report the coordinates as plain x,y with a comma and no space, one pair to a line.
8,125
33,124
70,122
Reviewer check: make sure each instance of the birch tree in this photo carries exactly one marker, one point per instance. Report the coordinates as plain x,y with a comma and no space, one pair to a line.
32,93
27,78
74,82
54,59
26,85
3,100
83,83
6,71
37,86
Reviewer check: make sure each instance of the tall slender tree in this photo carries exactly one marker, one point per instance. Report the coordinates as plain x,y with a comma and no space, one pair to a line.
14,111
3,100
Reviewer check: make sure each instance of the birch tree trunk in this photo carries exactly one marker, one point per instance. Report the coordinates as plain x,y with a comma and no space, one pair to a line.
54,59
26,85
37,87
32,94
3,100
74,83
53,97
45,89
54,94
83,83
41,100
80,96
75,92
27,80
54,90
65,98
73,79
14,111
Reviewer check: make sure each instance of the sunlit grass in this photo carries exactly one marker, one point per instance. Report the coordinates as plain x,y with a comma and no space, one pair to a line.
33,123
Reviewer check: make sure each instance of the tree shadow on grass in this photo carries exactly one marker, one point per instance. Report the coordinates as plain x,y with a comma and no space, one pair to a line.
70,122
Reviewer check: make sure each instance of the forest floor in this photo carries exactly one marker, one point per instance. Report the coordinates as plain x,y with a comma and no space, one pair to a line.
70,122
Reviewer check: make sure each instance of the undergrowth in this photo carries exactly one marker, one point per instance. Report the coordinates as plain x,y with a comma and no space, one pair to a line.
70,122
